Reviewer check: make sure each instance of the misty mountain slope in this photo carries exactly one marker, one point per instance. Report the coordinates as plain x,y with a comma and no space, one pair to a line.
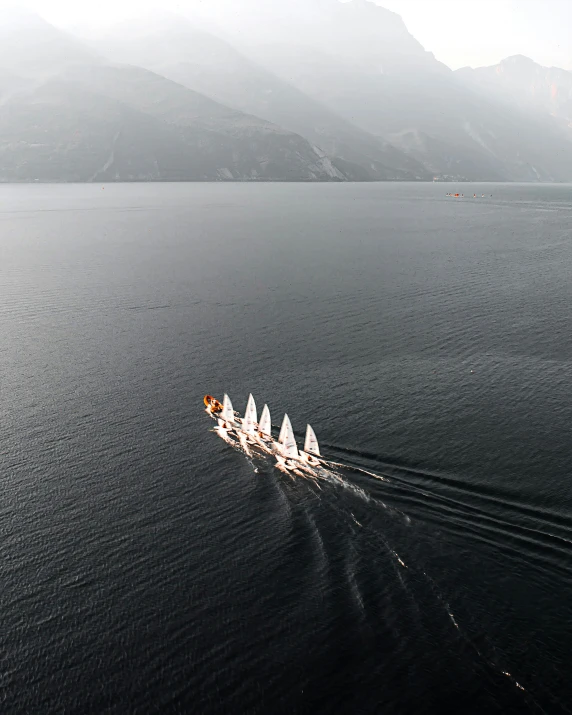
61,133
11,83
393,106
356,31
447,159
317,90
31,47
260,148
494,139
414,102
65,132
91,121
174,48
155,94
521,81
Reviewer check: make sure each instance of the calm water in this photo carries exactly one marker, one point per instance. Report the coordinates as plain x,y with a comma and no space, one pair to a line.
147,567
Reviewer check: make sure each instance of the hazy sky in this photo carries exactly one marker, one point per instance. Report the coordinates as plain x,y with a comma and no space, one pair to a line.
482,32
458,32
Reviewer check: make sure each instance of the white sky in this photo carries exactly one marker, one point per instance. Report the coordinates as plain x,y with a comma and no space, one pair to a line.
482,32
458,32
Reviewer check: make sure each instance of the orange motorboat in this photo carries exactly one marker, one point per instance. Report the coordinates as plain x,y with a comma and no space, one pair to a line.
212,404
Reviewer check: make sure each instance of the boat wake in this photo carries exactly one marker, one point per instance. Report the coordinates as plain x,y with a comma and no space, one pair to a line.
483,651
411,497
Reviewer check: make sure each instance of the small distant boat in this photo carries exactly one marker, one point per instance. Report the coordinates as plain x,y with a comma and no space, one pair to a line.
212,404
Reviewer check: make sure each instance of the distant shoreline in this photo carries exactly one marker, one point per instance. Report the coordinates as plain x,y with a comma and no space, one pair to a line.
276,181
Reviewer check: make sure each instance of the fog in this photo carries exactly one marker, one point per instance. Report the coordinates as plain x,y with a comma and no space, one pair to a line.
285,90
458,32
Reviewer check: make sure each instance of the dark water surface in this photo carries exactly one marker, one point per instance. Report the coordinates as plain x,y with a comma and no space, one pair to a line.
147,567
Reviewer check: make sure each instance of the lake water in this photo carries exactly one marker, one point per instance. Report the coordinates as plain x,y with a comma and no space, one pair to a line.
149,567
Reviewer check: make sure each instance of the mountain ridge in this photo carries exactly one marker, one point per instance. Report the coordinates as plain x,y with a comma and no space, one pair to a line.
321,91
200,61
56,127
80,129
521,80
421,107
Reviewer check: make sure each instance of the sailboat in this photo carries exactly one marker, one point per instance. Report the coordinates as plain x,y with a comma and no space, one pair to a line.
226,416
247,430
311,448
265,425
258,435
264,433
286,440
249,421
287,456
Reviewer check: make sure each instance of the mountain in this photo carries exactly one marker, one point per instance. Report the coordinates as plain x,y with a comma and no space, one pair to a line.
358,31
520,81
244,146
31,47
75,117
64,131
359,60
11,83
307,91
175,48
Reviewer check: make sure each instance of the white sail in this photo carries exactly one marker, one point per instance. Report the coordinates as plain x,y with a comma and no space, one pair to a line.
265,426
311,443
249,422
287,441
227,413
282,435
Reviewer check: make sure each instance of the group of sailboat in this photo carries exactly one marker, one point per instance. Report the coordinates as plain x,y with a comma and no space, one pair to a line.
257,435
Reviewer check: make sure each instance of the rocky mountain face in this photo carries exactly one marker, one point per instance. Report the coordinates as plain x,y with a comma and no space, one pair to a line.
308,90
203,62
79,118
518,81
65,132
396,90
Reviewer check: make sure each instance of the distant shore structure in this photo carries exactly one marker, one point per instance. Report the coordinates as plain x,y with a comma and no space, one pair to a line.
457,196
